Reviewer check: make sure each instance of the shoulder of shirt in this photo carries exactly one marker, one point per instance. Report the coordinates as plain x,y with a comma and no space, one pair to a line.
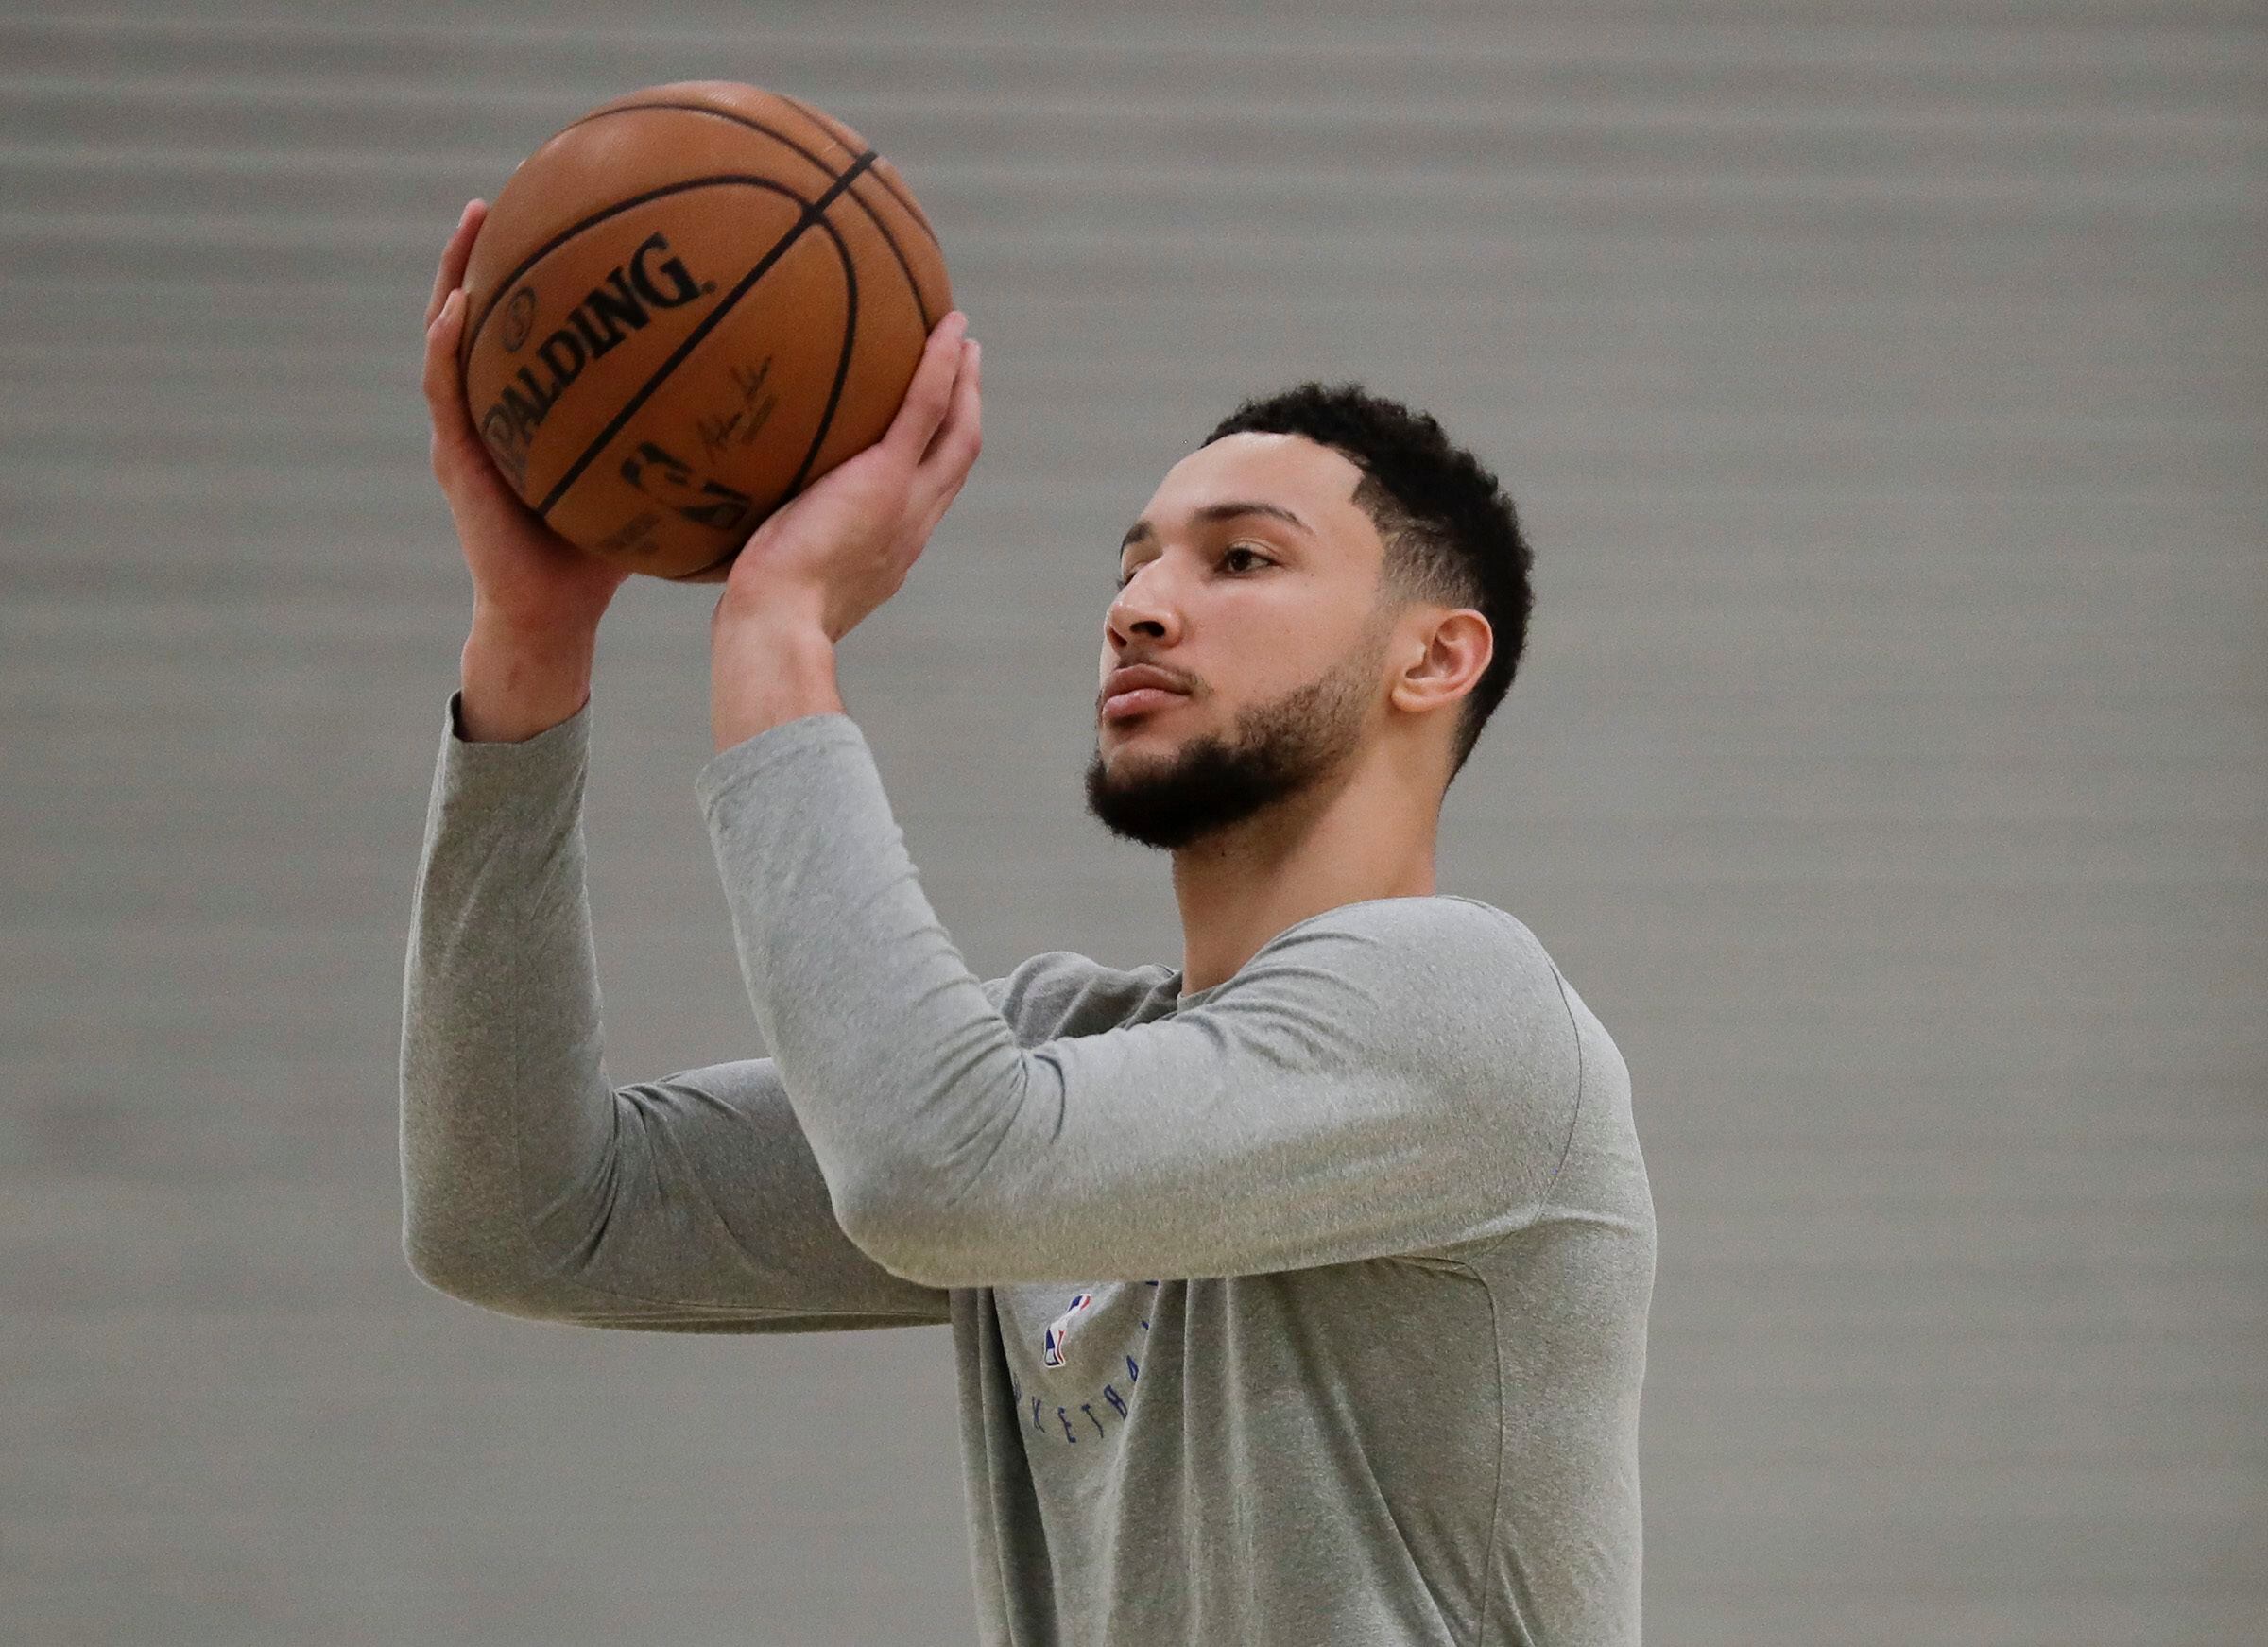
1434,922
1057,986
1440,945
1421,912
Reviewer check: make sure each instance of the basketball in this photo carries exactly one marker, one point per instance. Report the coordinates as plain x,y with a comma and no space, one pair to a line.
685,307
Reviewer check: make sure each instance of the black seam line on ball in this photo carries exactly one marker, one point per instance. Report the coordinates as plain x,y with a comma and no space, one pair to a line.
905,269
828,121
813,213
834,395
842,364
827,124
911,209
464,351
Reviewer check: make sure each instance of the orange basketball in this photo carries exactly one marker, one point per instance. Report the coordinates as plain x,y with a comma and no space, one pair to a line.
684,308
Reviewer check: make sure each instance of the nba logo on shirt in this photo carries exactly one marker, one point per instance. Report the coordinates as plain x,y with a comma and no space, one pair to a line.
1058,1331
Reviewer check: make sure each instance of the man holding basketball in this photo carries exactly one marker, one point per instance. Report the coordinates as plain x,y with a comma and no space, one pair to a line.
1298,1294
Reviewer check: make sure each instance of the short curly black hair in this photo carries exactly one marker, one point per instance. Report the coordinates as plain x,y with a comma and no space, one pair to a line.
1450,533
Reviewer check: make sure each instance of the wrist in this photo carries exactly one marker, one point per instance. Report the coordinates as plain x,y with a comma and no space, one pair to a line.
517,681
766,671
504,630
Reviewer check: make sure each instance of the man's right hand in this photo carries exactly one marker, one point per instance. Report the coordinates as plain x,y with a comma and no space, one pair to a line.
537,598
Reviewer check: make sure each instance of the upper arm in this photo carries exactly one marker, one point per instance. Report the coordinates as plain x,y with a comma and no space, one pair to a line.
1396,1076
715,1205
699,1208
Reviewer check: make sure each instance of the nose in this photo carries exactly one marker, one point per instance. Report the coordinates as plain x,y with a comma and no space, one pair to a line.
1136,610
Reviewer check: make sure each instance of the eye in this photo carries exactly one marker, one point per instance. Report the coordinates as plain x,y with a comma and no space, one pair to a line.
1233,550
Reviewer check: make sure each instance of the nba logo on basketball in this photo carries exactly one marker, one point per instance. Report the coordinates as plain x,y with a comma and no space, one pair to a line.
1059,1330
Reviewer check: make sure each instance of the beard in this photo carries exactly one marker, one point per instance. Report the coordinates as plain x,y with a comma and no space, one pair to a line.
1274,751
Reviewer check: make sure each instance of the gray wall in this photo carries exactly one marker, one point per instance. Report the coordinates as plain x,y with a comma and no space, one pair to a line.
1883,385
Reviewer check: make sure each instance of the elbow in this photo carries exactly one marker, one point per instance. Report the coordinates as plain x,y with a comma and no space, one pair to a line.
447,1266
942,1218
914,1230
472,1273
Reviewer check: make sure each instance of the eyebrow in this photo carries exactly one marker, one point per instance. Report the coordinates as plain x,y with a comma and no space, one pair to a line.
1212,514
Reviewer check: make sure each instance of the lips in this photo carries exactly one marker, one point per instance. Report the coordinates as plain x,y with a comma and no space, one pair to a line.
1139,700
1138,689
1134,674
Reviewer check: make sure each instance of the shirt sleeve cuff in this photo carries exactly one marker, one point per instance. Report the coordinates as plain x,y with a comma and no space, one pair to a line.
555,752
751,758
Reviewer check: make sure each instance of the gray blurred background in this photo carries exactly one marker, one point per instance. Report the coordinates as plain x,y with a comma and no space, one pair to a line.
1882,387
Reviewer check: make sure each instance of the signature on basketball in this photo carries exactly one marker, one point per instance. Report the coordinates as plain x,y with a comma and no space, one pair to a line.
739,424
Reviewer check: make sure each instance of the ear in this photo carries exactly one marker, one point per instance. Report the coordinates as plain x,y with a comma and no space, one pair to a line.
1451,656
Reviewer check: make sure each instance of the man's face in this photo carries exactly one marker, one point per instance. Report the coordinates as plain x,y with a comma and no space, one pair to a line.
1251,580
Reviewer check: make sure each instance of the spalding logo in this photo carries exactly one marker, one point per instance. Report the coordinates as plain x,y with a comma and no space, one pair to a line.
620,304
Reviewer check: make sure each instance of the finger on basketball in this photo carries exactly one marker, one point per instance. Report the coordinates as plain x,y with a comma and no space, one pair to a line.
928,397
454,255
959,436
945,465
444,401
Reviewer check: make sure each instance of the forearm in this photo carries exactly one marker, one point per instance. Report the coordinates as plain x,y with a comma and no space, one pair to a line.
518,683
767,669
506,1114
855,984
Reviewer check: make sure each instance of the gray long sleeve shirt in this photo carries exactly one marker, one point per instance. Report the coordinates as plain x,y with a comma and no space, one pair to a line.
1306,1309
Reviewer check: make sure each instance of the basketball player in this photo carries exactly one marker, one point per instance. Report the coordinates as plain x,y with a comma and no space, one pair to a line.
1298,1293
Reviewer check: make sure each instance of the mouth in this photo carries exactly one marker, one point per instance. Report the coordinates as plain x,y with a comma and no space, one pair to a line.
1142,699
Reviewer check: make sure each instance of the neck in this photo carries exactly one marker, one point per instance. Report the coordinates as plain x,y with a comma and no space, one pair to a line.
1347,840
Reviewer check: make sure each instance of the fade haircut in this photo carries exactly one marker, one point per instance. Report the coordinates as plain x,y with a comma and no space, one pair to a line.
1450,533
